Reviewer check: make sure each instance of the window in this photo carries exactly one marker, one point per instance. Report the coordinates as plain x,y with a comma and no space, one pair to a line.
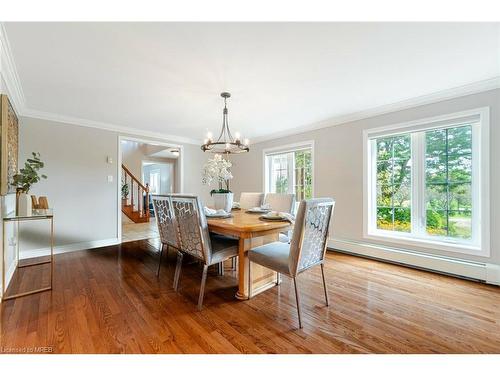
154,181
427,183
290,170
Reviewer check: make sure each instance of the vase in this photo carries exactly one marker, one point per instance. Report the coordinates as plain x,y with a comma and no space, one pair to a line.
223,201
24,205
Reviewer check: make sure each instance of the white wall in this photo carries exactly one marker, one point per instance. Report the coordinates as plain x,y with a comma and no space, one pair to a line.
133,155
166,171
339,166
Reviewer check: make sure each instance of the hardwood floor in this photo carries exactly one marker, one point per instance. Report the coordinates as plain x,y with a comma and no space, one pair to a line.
109,301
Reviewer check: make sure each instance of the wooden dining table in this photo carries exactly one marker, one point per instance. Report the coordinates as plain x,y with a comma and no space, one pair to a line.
251,231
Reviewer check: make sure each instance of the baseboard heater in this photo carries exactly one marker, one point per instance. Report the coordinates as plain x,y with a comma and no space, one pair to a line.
471,270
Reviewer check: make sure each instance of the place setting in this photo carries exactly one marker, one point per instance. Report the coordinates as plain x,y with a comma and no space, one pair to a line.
216,214
262,209
277,216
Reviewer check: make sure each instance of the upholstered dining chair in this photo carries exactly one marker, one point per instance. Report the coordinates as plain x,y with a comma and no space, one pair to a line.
196,240
306,250
167,225
249,200
282,203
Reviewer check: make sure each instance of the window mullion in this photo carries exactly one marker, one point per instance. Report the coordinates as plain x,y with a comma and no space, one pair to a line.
418,184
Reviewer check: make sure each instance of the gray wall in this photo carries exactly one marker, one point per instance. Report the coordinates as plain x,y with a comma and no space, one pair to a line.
339,165
84,202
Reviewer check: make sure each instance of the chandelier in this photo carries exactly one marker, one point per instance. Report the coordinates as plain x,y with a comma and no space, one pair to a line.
225,143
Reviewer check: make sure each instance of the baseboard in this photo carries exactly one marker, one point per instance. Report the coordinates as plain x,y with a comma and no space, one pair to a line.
493,274
69,248
486,272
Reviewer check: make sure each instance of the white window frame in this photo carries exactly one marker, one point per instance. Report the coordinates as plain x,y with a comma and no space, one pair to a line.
480,244
281,150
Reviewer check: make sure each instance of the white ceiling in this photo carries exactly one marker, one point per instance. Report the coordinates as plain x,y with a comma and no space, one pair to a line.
166,77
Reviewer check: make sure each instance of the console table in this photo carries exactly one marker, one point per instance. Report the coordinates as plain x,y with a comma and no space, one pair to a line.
16,219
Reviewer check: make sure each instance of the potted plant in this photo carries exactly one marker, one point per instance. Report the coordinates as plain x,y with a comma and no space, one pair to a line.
125,191
218,170
24,180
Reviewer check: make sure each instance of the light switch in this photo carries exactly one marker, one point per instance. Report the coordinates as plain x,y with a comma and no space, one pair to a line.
110,178
110,160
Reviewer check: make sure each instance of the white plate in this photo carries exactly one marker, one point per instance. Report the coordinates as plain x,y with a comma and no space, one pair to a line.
273,217
219,216
258,210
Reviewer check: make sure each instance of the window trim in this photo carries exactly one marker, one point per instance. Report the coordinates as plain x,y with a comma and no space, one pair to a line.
281,150
481,196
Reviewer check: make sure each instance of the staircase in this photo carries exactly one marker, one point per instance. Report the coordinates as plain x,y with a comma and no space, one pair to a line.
136,205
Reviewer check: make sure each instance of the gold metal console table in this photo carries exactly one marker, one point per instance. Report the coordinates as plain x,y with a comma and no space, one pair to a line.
37,215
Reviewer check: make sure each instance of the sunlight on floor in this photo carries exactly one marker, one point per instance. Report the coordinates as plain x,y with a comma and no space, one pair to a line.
139,231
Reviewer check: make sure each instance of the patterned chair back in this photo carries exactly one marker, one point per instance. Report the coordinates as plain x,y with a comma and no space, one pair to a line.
281,202
310,234
193,227
165,220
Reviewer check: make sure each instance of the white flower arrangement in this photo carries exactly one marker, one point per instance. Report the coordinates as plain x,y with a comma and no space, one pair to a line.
217,170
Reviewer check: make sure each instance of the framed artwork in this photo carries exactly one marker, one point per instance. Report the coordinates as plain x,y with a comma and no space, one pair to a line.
9,145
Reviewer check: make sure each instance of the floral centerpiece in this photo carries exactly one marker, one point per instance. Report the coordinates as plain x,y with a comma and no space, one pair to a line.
218,170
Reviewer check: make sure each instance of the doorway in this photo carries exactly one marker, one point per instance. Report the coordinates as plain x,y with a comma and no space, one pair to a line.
146,168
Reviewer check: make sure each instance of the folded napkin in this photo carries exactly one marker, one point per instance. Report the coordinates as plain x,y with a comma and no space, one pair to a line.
288,217
211,211
265,206
236,204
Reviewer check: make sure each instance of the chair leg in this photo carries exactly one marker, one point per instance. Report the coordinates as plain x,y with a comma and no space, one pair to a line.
249,279
278,278
324,284
202,287
298,300
178,268
221,268
159,260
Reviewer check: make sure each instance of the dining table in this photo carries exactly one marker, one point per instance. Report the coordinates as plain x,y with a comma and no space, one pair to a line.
251,230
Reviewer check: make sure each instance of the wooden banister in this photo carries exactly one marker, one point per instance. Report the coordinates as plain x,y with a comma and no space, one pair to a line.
142,196
134,178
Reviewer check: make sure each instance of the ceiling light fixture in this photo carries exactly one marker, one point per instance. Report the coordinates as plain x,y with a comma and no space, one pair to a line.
225,143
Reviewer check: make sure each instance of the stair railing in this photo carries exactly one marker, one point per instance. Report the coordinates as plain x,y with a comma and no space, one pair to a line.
137,189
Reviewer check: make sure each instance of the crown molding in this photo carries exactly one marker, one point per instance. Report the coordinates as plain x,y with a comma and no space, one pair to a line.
472,88
9,73
124,130
14,88
17,98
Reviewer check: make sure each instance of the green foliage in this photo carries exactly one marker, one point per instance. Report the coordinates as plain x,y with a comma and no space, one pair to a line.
448,178
434,219
281,185
125,190
219,191
303,174
28,176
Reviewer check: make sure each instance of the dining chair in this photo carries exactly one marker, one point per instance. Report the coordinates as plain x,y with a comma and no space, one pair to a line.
250,200
196,240
306,250
166,223
282,203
